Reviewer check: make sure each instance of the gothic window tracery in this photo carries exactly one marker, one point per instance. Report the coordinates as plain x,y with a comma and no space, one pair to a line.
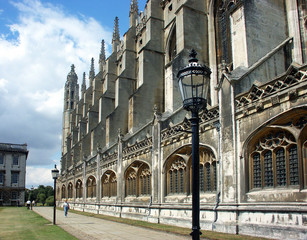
208,165
91,187
63,195
179,171
70,190
274,160
109,184
79,189
138,179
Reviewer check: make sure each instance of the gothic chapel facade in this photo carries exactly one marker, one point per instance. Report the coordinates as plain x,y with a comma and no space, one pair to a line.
124,152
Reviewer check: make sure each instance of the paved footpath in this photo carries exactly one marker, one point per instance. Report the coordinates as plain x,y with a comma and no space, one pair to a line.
90,228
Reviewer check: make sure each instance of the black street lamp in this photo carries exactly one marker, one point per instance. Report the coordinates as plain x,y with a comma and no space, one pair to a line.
55,174
194,80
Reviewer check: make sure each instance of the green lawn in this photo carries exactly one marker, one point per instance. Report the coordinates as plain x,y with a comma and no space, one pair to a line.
19,223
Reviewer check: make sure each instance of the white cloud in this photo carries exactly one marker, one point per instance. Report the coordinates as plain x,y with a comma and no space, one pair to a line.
3,83
38,176
49,103
33,70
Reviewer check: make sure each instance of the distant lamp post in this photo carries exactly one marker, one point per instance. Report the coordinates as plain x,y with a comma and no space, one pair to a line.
55,174
194,80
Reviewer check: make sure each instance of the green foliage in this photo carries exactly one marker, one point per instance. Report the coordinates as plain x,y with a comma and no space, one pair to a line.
50,201
39,194
41,197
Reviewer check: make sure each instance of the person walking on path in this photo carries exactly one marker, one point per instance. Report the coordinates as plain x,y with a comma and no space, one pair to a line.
28,204
66,207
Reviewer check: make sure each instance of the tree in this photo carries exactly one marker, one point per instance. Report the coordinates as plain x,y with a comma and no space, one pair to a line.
41,197
39,194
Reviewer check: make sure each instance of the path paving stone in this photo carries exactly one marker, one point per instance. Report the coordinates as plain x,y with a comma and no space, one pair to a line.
90,228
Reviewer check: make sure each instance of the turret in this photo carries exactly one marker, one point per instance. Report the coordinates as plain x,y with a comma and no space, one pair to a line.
134,12
92,73
116,38
83,86
102,56
71,97
71,94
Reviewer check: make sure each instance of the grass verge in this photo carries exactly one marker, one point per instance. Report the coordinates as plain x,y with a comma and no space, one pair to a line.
20,223
171,229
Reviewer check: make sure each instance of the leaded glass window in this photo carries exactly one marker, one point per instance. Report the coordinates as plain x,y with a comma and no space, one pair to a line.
293,165
201,178
208,176
268,169
281,167
257,170
275,161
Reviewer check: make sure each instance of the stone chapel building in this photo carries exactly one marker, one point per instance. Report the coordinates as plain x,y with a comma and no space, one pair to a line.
125,150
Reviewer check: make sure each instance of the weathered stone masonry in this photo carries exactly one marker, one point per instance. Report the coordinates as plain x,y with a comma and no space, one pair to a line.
126,146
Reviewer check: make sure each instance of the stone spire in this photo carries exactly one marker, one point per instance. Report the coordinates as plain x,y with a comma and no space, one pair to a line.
92,72
71,92
116,38
72,76
102,56
134,7
134,12
83,86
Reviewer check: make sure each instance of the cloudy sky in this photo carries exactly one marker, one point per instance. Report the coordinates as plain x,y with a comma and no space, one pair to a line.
39,40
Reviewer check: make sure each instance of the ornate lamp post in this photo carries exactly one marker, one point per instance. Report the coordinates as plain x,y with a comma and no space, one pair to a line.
55,174
194,80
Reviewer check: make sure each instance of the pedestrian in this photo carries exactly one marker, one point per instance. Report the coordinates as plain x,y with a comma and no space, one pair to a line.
33,203
66,207
28,204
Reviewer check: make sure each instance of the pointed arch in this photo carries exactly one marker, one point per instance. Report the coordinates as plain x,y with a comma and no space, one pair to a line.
79,189
91,187
108,184
63,191
70,190
138,179
178,170
274,153
171,45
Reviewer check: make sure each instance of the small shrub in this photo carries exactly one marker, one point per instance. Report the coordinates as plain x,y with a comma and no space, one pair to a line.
50,201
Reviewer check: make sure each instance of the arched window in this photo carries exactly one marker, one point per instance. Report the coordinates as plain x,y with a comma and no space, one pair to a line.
222,22
70,190
145,180
131,183
138,179
91,187
268,169
208,177
179,171
274,160
177,176
172,47
79,189
63,191
109,184
281,179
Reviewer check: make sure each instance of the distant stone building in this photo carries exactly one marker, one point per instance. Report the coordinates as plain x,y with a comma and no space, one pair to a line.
124,152
13,159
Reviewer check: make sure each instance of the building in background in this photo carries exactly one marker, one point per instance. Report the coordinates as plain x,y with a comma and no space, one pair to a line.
13,159
126,147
